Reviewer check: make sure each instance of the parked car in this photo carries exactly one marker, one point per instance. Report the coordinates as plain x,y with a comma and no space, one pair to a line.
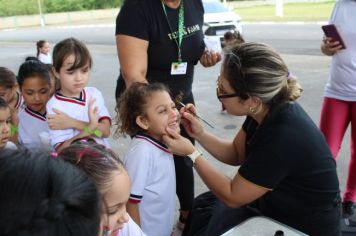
218,19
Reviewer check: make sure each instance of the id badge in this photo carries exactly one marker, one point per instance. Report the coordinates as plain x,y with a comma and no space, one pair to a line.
179,68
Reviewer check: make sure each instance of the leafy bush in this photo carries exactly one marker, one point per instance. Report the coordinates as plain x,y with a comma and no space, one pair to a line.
30,7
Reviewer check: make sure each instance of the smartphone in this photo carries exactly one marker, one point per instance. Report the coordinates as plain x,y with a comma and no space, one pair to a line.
331,31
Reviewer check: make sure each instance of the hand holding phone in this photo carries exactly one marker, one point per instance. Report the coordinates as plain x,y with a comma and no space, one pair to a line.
331,31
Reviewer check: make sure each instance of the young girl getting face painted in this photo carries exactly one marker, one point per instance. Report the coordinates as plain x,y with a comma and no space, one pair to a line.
145,112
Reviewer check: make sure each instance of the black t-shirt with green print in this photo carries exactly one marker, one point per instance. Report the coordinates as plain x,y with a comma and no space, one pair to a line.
288,155
145,19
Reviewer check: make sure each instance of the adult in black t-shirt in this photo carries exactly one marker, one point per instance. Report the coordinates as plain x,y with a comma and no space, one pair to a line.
148,39
287,171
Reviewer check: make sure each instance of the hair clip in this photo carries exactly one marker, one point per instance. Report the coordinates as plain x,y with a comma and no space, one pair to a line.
290,75
80,157
53,154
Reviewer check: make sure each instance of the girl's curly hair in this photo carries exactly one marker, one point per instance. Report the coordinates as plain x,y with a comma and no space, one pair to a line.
131,104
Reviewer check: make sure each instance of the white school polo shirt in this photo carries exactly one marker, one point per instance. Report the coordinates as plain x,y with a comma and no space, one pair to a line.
150,166
10,146
130,229
77,108
342,80
19,101
31,125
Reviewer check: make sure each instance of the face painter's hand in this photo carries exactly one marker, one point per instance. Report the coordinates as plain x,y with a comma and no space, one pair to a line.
190,122
177,144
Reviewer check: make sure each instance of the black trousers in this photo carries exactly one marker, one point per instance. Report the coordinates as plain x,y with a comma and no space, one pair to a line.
210,217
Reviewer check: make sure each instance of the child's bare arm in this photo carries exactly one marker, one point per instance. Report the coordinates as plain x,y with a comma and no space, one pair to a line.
104,127
94,123
60,120
134,212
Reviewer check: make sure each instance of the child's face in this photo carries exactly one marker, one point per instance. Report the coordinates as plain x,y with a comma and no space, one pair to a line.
5,119
72,81
161,113
45,48
115,214
7,93
36,93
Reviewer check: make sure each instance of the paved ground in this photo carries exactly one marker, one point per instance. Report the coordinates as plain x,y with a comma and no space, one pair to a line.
298,44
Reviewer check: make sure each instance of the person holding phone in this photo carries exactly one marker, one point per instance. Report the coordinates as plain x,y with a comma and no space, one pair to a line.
339,104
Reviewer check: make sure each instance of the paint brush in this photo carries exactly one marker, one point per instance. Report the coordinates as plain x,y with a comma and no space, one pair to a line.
183,105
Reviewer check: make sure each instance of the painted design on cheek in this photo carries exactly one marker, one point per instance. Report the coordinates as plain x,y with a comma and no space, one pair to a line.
106,231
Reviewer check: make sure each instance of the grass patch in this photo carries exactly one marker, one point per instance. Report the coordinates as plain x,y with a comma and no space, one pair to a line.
292,12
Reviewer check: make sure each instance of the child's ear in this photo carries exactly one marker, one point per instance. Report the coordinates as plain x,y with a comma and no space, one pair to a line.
142,122
55,73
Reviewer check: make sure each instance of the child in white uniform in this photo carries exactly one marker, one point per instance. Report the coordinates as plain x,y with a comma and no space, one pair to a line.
9,92
145,111
5,120
43,53
107,171
35,85
72,62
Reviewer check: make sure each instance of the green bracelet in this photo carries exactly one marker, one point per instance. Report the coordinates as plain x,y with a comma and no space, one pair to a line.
94,132
13,129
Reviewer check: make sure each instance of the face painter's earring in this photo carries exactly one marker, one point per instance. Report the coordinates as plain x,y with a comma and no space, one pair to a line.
252,111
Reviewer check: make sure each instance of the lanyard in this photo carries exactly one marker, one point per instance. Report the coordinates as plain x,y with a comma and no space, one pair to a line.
180,27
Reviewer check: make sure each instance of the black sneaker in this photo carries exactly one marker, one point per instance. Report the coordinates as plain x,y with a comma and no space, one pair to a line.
348,209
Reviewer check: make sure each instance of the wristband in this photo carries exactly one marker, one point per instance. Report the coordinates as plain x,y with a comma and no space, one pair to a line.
13,129
195,155
94,132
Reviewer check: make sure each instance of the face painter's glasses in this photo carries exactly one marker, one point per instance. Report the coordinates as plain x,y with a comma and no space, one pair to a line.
233,68
220,93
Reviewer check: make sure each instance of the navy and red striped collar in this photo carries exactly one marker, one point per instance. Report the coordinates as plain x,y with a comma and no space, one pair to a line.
80,101
153,141
19,100
36,114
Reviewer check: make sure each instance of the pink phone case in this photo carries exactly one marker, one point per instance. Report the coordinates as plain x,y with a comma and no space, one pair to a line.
332,32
